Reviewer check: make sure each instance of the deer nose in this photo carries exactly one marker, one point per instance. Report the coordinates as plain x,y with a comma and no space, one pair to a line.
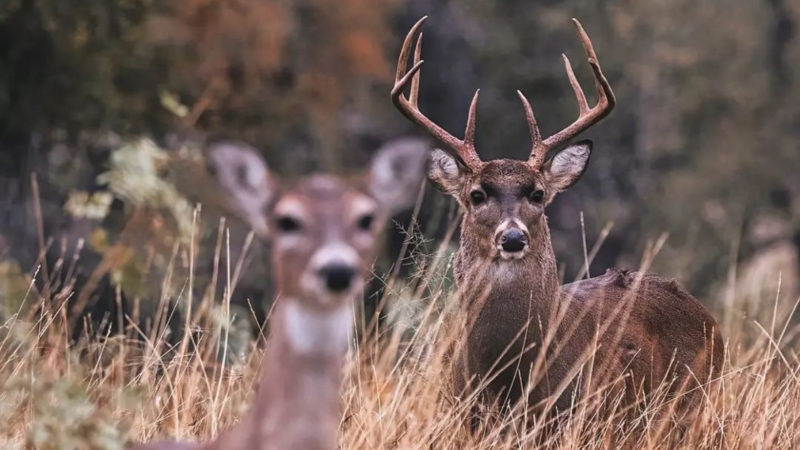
338,276
512,240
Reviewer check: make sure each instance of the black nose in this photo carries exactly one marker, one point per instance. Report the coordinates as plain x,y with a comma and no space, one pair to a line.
512,240
338,277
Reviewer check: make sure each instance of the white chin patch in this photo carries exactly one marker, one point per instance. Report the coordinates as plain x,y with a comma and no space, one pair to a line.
314,287
513,255
328,299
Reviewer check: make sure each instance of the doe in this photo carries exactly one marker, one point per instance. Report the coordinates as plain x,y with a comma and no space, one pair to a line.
324,234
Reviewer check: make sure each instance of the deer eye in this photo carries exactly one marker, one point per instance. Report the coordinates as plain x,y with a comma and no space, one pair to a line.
477,197
537,196
365,222
288,224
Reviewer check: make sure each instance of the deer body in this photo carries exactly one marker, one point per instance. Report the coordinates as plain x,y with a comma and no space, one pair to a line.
663,328
521,322
667,333
324,234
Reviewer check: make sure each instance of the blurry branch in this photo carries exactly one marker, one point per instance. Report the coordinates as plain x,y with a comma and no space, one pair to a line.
134,177
206,100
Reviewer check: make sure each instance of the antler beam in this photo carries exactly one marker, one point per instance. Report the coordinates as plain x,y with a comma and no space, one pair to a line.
461,149
586,116
464,149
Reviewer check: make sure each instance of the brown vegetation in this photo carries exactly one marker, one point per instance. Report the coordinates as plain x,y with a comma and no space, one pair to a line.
135,387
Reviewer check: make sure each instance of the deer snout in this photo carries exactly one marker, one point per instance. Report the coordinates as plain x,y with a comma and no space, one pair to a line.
333,271
337,276
511,239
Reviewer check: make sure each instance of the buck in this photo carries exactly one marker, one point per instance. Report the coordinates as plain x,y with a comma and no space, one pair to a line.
634,325
324,234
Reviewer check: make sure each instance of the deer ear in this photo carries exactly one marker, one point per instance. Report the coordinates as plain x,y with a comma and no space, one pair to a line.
397,172
567,166
245,181
446,172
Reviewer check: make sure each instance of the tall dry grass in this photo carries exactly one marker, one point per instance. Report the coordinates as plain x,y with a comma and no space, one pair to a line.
109,390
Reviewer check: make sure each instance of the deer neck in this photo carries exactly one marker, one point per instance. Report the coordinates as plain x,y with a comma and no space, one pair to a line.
487,281
302,375
298,401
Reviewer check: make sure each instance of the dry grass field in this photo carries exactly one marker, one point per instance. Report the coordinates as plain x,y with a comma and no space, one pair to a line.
109,391
133,300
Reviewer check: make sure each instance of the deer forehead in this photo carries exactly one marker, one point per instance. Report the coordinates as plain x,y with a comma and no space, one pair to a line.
509,174
325,197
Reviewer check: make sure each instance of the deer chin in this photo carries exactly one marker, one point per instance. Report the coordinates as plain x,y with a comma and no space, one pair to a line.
503,255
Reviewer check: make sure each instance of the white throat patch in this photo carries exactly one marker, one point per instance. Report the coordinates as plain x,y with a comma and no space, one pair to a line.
313,331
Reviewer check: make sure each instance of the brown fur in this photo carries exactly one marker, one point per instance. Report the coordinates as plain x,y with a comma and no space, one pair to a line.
647,327
298,403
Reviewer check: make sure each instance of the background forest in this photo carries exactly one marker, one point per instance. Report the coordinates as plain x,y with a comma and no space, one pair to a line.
703,144
108,208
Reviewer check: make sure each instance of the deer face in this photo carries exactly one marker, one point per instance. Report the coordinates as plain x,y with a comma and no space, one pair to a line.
323,229
504,199
323,239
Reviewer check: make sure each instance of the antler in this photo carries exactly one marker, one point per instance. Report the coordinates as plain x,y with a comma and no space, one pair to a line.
586,116
462,149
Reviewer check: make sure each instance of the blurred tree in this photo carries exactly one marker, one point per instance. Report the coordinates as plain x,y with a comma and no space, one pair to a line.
273,72
70,65
276,73
702,143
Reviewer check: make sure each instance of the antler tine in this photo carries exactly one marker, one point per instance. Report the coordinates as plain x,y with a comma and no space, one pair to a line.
587,116
403,82
414,95
469,130
538,152
461,149
402,59
600,81
580,97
